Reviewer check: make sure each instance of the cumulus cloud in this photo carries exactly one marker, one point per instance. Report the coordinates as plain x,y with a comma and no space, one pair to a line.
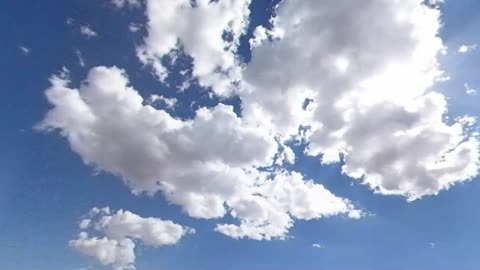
356,78
87,31
268,211
208,31
467,48
121,229
370,94
316,245
208,165
119,254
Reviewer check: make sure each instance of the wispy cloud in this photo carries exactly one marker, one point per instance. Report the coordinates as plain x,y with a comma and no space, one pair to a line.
468,90
467,48
79,55
24,50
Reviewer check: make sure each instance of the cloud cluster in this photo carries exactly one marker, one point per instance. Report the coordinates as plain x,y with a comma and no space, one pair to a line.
210,165
121,229
208,31
368,86
355,77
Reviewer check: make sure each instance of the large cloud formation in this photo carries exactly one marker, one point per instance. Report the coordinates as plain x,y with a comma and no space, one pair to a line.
209,165
121,229
355,77
366,69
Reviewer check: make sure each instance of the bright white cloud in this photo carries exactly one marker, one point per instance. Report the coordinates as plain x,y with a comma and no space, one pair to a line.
467,48
125,224
370,91
268,211
207,165
208,31
119,254
316,245
121,229
87,31
361,90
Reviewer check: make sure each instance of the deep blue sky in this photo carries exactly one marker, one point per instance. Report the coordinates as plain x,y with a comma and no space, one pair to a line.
45,187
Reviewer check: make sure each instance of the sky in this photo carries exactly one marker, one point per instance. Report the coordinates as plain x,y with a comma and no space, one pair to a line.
239,134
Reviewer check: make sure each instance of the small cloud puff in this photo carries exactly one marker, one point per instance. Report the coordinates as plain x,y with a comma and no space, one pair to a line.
25,50
87,31
467,48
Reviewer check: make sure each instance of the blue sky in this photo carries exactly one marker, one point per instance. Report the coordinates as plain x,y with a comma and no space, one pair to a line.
46,188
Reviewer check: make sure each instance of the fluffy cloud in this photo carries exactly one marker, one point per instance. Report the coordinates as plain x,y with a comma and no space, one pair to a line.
208,31
119,254
355,77
368,87
208,165
120,230
268,211
125,224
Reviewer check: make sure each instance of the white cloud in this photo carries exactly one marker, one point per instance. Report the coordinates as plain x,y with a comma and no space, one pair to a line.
25,50
123,3
207,165
125,224
87,31
371,92
169,102
468,90
199,29
119,254
316,245
467,48
371,102
268,211
120,230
